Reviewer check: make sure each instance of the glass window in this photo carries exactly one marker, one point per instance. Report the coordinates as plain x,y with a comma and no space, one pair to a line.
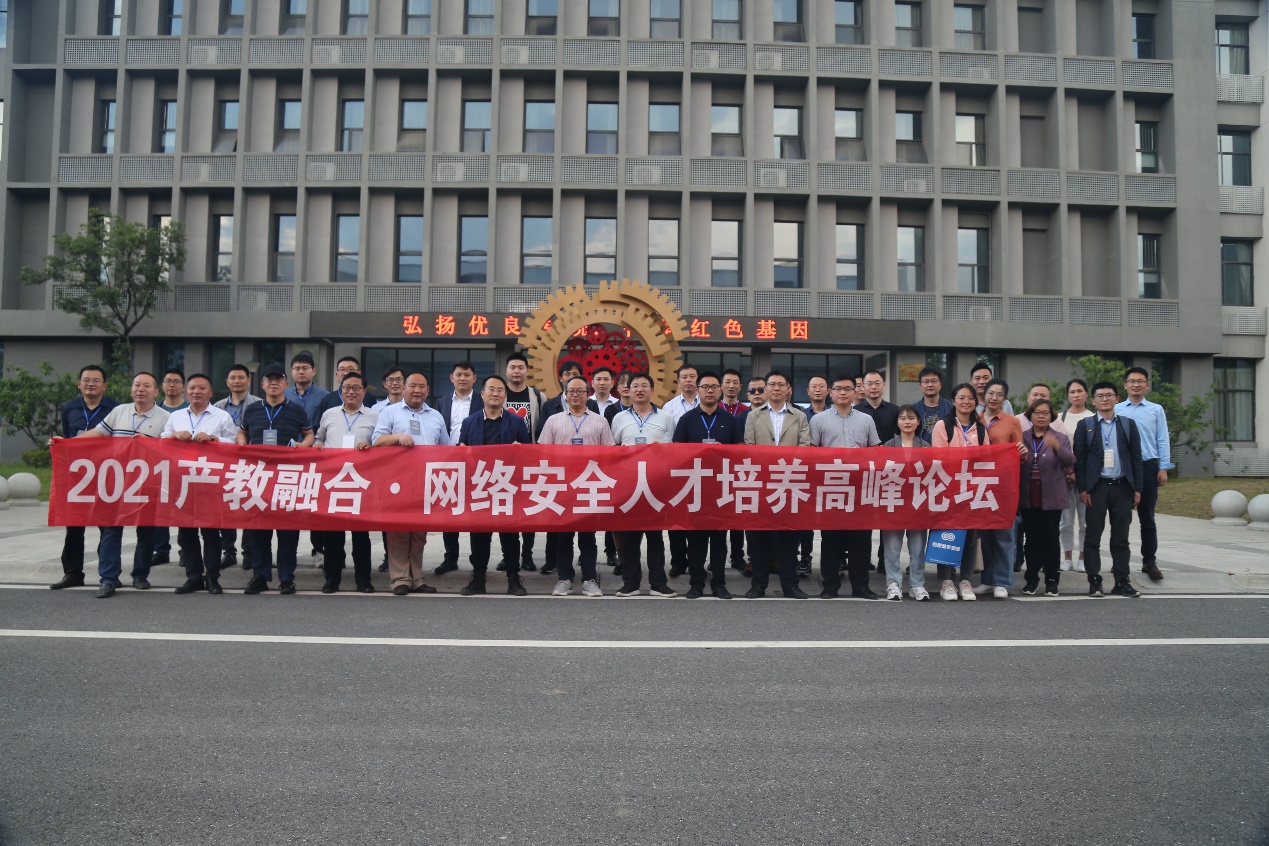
971,142
477,117
347,247
601,128
410,248
170,22
535,245
473,261
1235,157
539,127
222,239
293,13
971,28
4,36
289,113
1147,147
663,253
601,249
788,134
1149,277
725,131
165,127
1237,277
907,133
848,134
356,17
542,18
663,129
605,18
849,19
480,17
1234,415
283,248
911,252
1143,36
725,254
726,20
907,24
226,127
787,18
106,126
1231,48
231,16
802,366
413,134
352,126
665,16
850,257
788,255
111,21
1,125
973,249
418,17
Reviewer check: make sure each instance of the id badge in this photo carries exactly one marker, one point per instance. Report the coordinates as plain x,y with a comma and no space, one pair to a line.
641,440
416,428
349,442
1108,458
709,441
578,441
270,437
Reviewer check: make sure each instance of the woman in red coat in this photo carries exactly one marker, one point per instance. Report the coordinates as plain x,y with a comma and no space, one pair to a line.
1043,496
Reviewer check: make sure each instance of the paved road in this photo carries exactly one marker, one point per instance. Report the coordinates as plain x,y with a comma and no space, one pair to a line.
173,742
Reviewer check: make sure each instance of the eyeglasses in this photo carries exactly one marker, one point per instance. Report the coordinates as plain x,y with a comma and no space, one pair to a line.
756,390
1105,396
841,388
353,388
709,387
931,381
777,385
576,392
1136,382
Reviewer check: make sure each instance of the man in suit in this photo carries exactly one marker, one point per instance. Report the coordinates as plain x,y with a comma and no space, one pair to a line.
1108,475
455,408
778,423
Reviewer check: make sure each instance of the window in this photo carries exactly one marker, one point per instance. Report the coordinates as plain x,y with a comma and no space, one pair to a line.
849,19
665,16
288,127
848,134
788,134
409,248
222,239
473,259
1231,48
480,17
725,131
106,126
477,118
418,17
1234,416
1149,279
663,253
1031,32
170,19
543,17
226,140
1147,147
1143,36
4,37
293,15
787,17
911,252
788,255
1235,152
663,130
601,128
165,127
907,135
971,143
413,134
725,254
536,253
1236,274
347,247
111,20
970,26
159,222
907,24
539,127
356,17
726,20
601,249
850,257
973,266
352,125
283,248
231,16
1,125
605,18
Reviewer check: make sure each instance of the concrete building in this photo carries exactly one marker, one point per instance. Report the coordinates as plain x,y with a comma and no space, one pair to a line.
882,183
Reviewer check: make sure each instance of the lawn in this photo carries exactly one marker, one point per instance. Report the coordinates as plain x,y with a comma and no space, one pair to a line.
44,474
1193,497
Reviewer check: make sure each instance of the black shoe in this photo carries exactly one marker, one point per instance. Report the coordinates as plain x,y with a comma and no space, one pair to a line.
68,581
286,588
1050,588
804,570
446,567
675,572
228,559
796,593
159,558
722,593
365,587
1095,588
865,593
246,565
383,568
693,593
748,571
616,571
401,590
331,586
738,563
256,585
140,584
527,565
755,593
611,562
1031,587
502,566
546,568
1152,570
106,591
191,585
423,589
1125,588
515,587
473,587
828,594
213,587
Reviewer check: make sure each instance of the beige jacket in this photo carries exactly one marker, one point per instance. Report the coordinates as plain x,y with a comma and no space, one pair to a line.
796,430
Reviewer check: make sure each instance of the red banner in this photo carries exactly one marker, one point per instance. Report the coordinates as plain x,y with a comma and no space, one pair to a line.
148,482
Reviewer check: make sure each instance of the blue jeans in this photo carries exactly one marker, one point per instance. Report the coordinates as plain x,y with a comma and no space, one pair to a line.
998,556
110,554
262,553
892,543
163,540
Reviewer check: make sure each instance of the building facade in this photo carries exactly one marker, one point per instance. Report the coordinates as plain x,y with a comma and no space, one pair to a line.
817,185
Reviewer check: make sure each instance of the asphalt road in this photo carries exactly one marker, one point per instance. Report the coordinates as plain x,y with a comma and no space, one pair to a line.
107,741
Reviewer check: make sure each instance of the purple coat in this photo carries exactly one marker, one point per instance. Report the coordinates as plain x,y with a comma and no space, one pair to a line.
1053,465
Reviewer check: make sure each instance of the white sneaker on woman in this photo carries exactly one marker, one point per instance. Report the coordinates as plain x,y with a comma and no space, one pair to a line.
967,590
1079,565
948,591
893,591
920,594
1066,564
1000,593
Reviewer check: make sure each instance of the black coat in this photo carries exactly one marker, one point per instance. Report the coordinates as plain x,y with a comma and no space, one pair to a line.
1087,441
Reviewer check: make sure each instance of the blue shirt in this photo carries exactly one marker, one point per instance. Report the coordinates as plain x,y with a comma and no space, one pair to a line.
1152,422
398,419
77,418
1108,431
310,401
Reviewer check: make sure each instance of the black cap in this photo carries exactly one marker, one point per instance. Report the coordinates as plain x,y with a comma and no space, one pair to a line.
273,368
305,357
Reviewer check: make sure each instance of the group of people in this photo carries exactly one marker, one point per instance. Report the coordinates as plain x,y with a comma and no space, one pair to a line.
1077,467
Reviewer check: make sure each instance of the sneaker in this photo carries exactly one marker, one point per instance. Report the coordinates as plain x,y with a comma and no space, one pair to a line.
527,565
383,567
515,587
256,585
1000,593
721,592
547,569
318,559
664,591
1095,589
1079,566
1066,564
1050,588
473,587
140,584
982,589
893,591
502,566
286,588
694,593
967,591
590,587
948,591
562,588
1031,587
1125,589
629,590
920,594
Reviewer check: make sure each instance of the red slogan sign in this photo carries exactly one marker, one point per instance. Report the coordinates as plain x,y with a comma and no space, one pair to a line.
148,482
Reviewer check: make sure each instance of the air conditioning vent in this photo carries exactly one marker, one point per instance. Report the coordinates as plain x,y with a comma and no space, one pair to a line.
646,174
253,301
515,54
705,58
771,177
450,172
321,171
200,172
204,54
980,73
513,172
326,54
770,61
920,186
449,54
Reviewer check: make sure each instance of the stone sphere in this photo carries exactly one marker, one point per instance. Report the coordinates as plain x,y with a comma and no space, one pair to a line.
4,493
1229,508
24,488
1258,511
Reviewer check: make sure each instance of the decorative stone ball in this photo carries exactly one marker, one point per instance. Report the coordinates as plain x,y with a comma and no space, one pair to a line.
1258,511
4,493
24,489
1229,508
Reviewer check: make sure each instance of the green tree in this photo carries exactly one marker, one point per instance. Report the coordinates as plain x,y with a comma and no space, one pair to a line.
113,273
31,403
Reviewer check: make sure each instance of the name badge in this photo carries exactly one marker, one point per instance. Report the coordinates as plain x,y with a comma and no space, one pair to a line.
641,440
709,441
1108,458
349,442
576,441
270,437
416,428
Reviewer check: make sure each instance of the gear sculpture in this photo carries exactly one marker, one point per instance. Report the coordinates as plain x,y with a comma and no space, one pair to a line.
649,316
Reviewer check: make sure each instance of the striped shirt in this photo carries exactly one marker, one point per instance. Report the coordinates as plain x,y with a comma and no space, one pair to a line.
125,421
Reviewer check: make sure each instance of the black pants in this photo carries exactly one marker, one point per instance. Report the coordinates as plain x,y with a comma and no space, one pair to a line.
806,543
1043,544
737,546
229,541
450,540
1111,497
678,549
587,553
199,559
1145,510
481,542
335,557
856,544
526,546
610,547
699,545
628,555
73,551
767,547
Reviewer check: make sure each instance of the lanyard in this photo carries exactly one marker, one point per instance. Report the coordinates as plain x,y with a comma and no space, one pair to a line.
88,420
709,425
1107,435
1037,447
275,413
577,426
965,430
236,416
641,422
349,423
193,424
145,416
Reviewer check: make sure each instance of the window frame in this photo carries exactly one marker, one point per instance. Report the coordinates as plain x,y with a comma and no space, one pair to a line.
421,20
718,259
1143,44
974,38
603,26
1232,53
277,254
340,254
110,18
165,109
479,23
399,253
486,137
288,139
222,261
107,127
1232,161
972,153
402,129
293,18
849,148
533,260
536,134
657,256
171,18
795,262
979,270
225,135
791,147
717,140
541,24
607,136
653,20
908,36
463,252
354,21
1149,276
1146,133
911,150
233,22
848,33
793,31
1246,296
727,29
662,142
847,260
1224,405
351,138
914,269
606,257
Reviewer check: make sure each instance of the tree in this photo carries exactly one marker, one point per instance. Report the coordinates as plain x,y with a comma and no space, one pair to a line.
31,403
113,272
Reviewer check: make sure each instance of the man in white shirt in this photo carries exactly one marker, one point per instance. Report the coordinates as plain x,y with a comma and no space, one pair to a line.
601,382
687,399
456,408
238,381
393,386
348,426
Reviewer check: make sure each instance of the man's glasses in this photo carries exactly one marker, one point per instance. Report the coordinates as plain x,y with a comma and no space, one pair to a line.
757,390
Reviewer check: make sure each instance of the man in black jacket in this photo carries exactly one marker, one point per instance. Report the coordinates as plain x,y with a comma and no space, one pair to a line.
455,408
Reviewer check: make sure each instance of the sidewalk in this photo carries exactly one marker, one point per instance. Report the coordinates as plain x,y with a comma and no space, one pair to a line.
1196,557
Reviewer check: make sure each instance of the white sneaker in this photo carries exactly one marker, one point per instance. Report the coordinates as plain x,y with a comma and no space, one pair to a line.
967,590
562,588
1079,566
1000,593
318,560
981,590
920,594
590,587
948,590
893,591
1066,564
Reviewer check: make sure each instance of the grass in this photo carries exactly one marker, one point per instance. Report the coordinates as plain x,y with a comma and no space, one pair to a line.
1193,497
45,474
